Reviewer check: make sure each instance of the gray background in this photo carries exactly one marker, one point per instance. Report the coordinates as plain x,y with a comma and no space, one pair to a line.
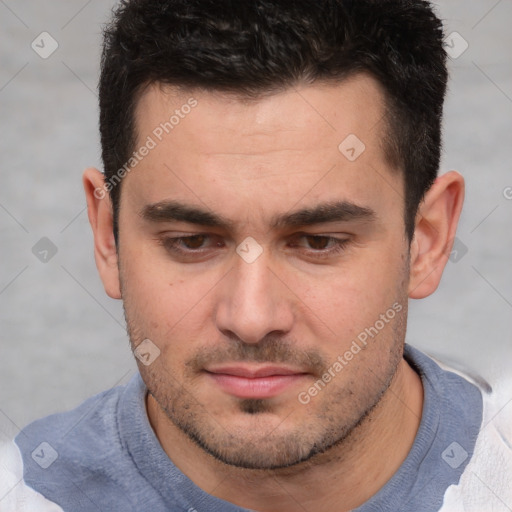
63,339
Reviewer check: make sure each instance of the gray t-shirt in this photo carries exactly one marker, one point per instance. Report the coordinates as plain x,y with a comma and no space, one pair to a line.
104,455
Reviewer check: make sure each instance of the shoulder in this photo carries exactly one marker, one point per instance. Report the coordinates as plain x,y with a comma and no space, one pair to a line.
486,481
15,494
90,425
70,458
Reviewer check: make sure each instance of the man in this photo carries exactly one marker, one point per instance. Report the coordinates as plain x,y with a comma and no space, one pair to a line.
269,204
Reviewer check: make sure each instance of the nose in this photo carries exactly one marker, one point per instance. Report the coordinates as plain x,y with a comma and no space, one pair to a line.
254,302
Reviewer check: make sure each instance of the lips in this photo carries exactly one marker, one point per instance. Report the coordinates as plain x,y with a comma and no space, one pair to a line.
254,372
254,382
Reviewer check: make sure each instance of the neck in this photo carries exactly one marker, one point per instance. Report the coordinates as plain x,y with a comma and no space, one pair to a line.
340,479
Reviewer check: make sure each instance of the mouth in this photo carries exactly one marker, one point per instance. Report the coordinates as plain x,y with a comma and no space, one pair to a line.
255,381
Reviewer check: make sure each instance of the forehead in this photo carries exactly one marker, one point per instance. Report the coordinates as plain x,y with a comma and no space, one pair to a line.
350,106
301,144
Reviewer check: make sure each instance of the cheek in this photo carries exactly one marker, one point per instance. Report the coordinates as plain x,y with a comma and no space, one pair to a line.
149,278
353,297
162,300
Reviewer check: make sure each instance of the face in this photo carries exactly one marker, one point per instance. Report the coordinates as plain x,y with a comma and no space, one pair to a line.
266,264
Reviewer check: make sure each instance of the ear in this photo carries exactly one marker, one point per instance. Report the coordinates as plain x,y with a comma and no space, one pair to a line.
436,225
99,210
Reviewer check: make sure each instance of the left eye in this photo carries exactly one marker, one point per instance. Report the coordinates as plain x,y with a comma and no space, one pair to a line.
319,242
324,244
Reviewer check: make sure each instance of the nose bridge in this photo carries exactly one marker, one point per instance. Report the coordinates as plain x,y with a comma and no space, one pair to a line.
253,303
252,283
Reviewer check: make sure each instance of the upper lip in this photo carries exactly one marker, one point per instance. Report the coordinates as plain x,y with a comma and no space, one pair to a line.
254,372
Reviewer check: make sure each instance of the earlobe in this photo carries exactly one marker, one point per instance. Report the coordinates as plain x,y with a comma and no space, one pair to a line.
436,225
99,210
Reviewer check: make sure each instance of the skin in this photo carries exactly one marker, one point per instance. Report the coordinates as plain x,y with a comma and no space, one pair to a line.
250,161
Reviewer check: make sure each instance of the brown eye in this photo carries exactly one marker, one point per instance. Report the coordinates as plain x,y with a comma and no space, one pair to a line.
318,242
320,246
184,244
193,242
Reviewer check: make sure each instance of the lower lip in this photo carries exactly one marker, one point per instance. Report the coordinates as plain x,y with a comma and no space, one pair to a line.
260,387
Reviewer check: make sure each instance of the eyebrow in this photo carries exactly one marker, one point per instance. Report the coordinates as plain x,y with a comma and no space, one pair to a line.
334,211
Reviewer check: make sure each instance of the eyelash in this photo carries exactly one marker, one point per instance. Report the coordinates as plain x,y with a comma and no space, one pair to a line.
171,245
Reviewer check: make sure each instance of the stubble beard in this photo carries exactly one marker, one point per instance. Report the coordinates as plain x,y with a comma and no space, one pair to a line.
339,422
340,418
